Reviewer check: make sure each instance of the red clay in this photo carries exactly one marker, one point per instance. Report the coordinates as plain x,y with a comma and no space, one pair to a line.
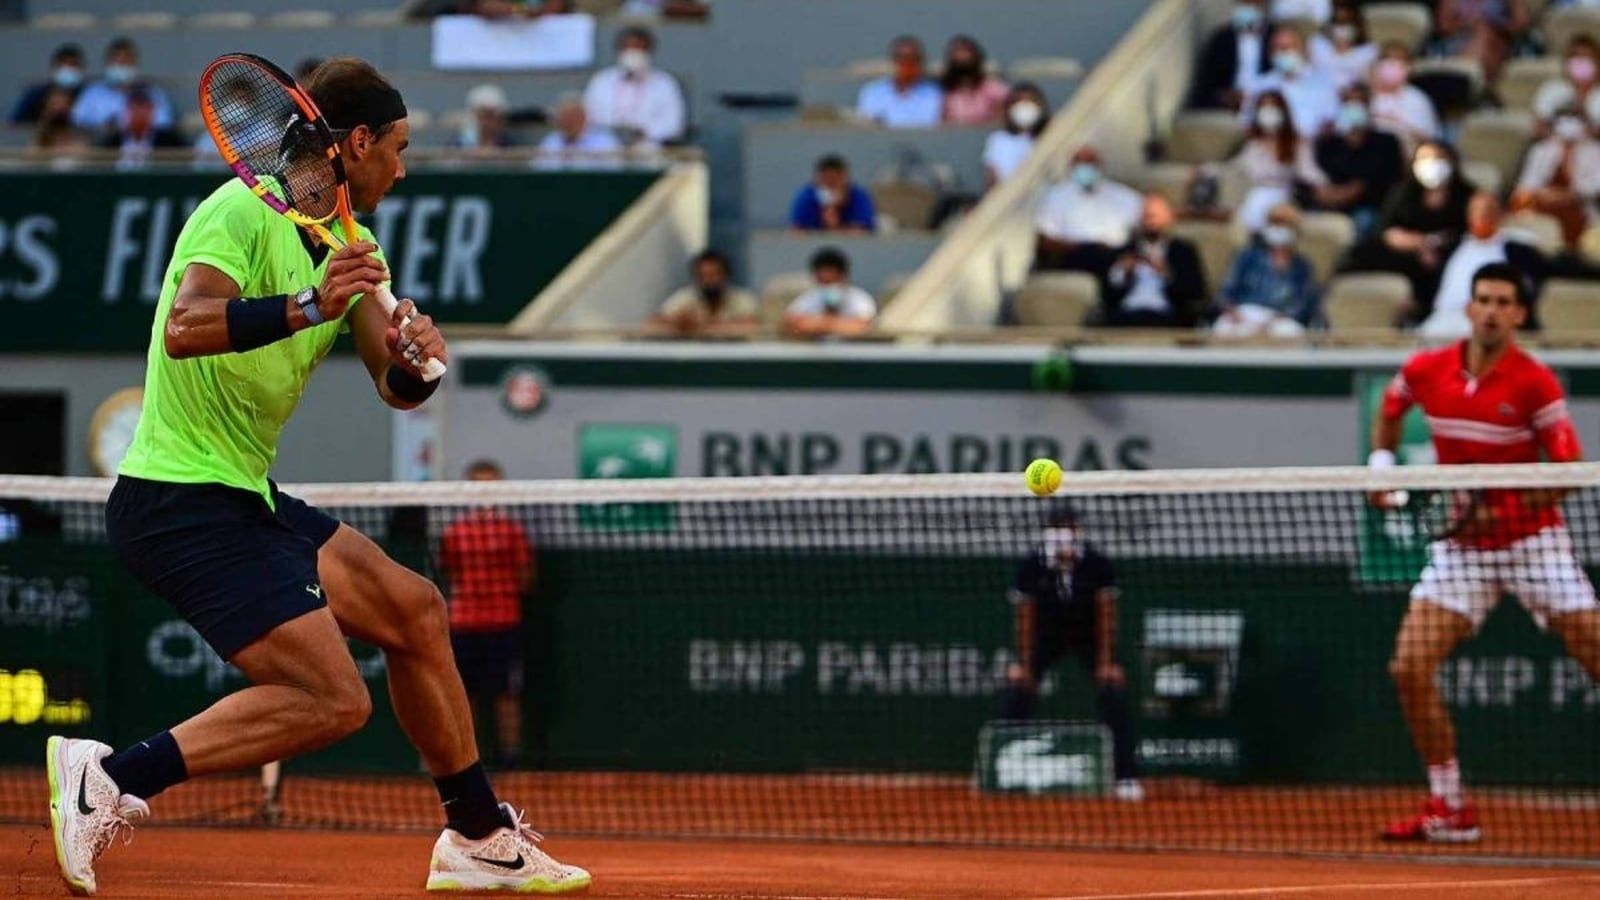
278,863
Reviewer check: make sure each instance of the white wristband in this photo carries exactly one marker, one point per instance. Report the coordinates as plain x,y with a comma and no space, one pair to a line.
1381,459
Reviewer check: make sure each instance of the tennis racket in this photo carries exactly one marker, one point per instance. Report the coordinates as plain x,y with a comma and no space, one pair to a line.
276,141
1441,515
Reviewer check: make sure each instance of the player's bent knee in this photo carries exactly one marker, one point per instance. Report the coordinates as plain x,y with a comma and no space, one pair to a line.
346,710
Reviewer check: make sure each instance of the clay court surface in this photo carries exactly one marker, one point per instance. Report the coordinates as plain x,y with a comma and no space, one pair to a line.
230,863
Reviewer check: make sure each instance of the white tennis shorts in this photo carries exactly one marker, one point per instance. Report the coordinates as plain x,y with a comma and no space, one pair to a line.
1541,570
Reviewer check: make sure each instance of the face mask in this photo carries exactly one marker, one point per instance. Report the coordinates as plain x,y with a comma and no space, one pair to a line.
826,197
1246,17
1432,173
121,74
1343,34
1057,540
1569,128
832,298
1391,73
1087,175
634,60
1483,230
67,77
1352,117
1581,68
1289,62
1278,236
712,292
1270,119
1025,114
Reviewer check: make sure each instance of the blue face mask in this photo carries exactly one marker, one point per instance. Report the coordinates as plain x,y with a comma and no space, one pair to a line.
1352,117
1246,16
1087,175
121,74
1288,62
67,77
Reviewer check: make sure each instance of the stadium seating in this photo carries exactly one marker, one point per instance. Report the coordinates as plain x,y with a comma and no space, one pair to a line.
776,295
1538,230
1203,136
1217,243
1366,301
1324,238
1407,23
1498,137
1564,24
1566,307
1522,78
1057,299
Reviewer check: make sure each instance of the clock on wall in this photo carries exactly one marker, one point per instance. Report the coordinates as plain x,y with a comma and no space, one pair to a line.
111,429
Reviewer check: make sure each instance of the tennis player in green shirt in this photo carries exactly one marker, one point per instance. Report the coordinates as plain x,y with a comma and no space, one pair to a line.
249,307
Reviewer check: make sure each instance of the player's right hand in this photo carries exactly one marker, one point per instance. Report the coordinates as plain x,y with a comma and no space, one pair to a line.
1388,501
352,271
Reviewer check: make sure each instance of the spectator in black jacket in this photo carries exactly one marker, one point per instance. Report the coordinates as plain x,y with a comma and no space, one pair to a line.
1362,163
1421,223
1233,57
66,73
1158,280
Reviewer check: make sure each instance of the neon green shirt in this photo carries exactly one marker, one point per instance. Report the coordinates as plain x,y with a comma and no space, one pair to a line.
216,419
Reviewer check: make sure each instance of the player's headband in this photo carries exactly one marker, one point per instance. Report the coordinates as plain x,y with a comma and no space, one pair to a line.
374,108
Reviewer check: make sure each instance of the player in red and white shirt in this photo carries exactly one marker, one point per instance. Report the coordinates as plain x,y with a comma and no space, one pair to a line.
1486,401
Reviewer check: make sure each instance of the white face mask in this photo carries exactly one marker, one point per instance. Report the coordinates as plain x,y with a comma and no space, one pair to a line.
634,60
1270,118
1569,128
1433,172
826,197
1343,33
1278,236
1025,114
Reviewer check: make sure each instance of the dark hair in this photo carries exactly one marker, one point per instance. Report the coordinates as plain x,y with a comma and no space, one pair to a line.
710,255
1586,41
345,89
906,40
1503,272
139,93
485,465
66,50
830,258
304,68
119,44
1029,88
1061,515
639,32
833,162
955,81
1358,87
1360,21
1288,140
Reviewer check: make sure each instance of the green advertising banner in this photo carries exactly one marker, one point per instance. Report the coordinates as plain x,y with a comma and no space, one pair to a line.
82,255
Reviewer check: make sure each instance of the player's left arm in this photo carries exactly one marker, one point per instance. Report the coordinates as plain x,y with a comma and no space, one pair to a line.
391,354
1106,670
1552,425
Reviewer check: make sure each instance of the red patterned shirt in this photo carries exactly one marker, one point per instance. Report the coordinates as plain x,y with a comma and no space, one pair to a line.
1510,414
487,562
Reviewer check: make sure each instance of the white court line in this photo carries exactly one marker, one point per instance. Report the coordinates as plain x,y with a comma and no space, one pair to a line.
242,884
1306,889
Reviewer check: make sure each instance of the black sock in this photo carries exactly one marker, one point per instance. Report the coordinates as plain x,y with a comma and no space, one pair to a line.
470,806
148,767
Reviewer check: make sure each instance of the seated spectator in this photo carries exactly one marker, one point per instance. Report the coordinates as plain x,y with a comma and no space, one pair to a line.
1007,148
905,99
105,101
972,95
55,134
1341,51
1484,30
1158,280
1561,176
1484,243
1362,164
634,99
1270,290
1318,11
66,73
1313,100
1398,106
1233,56
1275,161
711,306
485,129
832,202
1082,221
832,306
138,134
1421,222
574,143
1574,88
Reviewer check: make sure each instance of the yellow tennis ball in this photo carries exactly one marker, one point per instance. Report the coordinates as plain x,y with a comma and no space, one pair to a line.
1043,476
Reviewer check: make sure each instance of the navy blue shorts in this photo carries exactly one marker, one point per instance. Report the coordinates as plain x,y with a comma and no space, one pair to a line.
229,565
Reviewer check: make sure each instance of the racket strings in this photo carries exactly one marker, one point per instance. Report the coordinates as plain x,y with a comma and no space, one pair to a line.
260,125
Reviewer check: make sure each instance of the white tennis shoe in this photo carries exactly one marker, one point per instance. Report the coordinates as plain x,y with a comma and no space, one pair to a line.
87,811
507,860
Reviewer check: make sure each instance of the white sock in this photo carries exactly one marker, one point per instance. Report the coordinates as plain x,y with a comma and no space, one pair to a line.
1444,781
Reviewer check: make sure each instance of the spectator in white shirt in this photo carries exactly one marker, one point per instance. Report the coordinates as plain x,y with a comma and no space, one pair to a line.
104,103
832,307
1398,106
1575,87
1082,221
1273,161
633,98
710,307
1007,148
905,99
575,144
1561,176
484,130
1341,51
1313,99
1483,244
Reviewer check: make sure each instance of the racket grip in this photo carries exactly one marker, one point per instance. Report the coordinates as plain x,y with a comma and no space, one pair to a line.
432,369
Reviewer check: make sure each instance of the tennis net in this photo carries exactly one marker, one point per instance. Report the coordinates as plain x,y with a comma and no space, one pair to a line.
837,658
